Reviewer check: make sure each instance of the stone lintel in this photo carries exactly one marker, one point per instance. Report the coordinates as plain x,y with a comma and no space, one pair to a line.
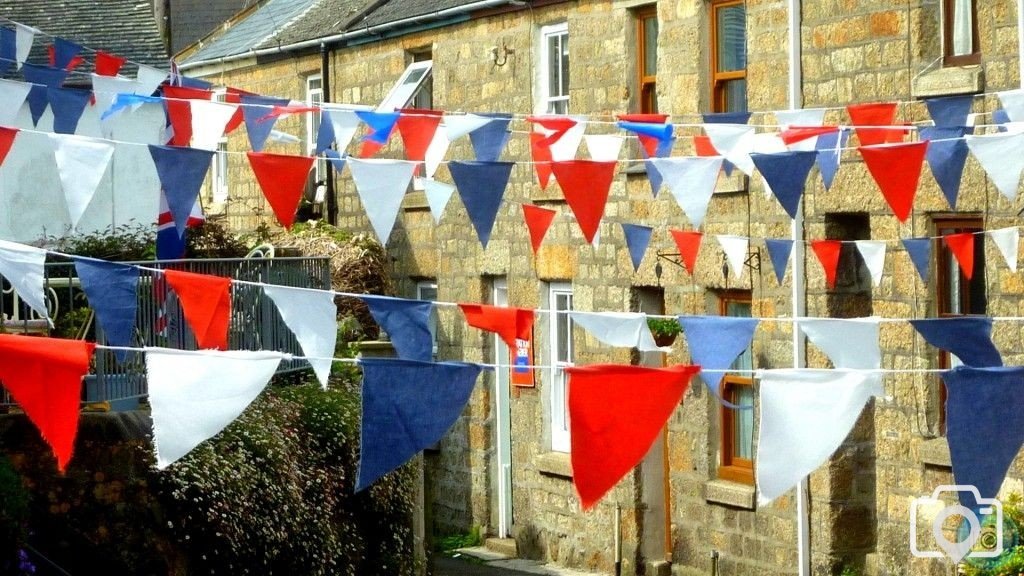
935,452
554,464
949,81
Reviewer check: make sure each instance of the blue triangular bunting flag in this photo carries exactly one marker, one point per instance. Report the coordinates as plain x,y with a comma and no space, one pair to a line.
41,78
946,155
337,159
653,176
112,292
181,172
67,105
715,342
637,239
8,49
969,338
829,147
489,140
778,251
481,186
1001,117
726,117
254,112
381,124
64,52
407,322
786,175
920,251
950,111
984,426
188,82
407,406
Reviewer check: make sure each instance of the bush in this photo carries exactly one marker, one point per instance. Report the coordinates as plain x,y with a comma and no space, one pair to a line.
13,516
273,493
124,243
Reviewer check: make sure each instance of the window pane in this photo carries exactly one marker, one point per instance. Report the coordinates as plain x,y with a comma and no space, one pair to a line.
963,27
732,43
558,106
414,76
735,95
563,328
743,423
554,63
650,46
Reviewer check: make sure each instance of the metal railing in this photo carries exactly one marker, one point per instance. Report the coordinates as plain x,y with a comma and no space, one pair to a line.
255,322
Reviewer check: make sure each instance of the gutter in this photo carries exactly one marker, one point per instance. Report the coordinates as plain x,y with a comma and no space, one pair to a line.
357,33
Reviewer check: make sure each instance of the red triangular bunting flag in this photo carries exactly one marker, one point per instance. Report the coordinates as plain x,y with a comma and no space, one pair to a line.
509,323
278,111
962,247
417,128
282,178
538,220
585,184
874,114
108,64
703,147
897,169
795,134
179,111
828,255
206,302
7,136
689,245
558,125
234,96
611,426
650,143
541,159
44,375
370,148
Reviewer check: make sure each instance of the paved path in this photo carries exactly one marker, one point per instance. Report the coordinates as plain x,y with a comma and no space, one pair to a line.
482,562
444,566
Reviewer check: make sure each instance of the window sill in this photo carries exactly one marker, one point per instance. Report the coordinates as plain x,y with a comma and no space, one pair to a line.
950,81
415,201
549,196
935,452
731,494
554,464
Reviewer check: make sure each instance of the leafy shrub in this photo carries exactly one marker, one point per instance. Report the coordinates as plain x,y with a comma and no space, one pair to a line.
212,240
123,243
13,516
273,493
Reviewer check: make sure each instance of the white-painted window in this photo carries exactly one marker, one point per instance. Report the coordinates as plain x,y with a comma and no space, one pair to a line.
409,83
219,170
553,70
561,353
315,97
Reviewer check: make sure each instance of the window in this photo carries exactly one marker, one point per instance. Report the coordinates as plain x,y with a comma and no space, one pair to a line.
427,290
554,69
415,76
561,350
960,33
424,97
728,56
737,451
315,97
647,58
219,176
957,296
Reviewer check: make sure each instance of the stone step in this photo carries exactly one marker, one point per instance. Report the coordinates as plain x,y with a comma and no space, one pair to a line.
505,546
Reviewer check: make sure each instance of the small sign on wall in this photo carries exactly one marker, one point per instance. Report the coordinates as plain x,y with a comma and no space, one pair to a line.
522,363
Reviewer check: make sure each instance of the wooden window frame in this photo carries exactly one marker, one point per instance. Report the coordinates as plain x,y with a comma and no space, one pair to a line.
948,59
719,79
646,84
730,467
943,260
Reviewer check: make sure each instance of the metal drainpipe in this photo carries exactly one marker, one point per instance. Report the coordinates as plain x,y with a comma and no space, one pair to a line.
325,84
618,540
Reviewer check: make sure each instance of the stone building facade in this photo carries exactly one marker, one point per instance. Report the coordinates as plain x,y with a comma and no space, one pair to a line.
680,512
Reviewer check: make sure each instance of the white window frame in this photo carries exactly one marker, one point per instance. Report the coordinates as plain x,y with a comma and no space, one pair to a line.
405,89
544,100
558,379
423,289
315,97
219,167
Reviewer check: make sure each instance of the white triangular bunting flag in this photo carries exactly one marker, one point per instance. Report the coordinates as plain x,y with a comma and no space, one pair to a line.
458,126
436,151
344,123
24,36
381,185
208,122
691,179
22,266
149,79
565,147
805,416
801,118
438,194
195,395
735,248
312,316
604,147
81,164
735,142
12,97
999,155
1007,240
106,88
848,343
873,253
1013,103
622,329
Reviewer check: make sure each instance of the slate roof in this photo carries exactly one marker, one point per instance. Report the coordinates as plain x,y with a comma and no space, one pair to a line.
125,28
191,20
400,9
254,30
326,18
